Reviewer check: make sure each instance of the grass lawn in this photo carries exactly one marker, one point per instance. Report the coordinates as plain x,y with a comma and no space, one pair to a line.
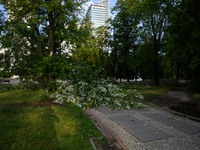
152,91
35,128
196,96
19,96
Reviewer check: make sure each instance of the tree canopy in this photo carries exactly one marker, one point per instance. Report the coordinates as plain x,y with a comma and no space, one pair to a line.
155,39
33,35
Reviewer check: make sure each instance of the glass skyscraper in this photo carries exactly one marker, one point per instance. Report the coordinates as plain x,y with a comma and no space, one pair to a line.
99,12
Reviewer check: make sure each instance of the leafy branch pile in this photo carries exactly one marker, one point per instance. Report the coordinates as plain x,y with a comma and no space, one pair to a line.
87,88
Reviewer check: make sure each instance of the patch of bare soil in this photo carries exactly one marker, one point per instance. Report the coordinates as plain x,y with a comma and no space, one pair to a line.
178,99
173,97
42,103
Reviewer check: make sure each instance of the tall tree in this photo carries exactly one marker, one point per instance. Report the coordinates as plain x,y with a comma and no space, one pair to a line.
2,55
139,25
94,46
183,39
125,37
154,22
34,32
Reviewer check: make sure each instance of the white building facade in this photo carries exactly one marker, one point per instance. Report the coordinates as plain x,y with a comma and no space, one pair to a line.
99,12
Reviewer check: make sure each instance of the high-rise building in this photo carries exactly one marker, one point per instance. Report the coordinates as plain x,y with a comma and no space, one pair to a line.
99,12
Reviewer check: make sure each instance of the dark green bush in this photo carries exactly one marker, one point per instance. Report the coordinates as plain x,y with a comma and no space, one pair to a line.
194,86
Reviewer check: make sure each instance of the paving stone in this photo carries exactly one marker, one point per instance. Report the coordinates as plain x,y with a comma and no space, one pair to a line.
156,116
166,121
189,131
139,128
118,117
176,124
165,139
128,125
140,109
149,128
146,137
127,117
105,110
137,131
139,124
118,120
135,120
159,134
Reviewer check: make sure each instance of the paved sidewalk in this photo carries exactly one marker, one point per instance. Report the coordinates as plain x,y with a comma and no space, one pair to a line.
150,128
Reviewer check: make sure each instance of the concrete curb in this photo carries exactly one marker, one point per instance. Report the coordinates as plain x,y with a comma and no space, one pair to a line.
113,139
92,142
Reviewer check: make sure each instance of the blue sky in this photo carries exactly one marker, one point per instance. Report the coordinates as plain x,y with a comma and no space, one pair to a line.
112,3
1,7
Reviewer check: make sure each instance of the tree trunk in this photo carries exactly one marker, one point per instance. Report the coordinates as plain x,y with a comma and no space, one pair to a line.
51,47
135,78
156,76
177,73
128,79
155,64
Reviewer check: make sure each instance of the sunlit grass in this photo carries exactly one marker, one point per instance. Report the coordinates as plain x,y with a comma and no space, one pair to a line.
151,91
24,128
46,128
19,96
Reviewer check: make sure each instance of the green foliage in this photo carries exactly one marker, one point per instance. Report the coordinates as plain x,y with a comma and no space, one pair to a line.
194,86
5,74
182,37
145,61
35,33
156,39
138,39
87,88
125,38
94,46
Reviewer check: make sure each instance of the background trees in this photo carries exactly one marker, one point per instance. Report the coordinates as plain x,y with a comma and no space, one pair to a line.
153,39
33,35
125,38
93,47
182,46
162,36
154,22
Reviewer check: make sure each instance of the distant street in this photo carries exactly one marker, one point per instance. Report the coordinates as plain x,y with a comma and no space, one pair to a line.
16,81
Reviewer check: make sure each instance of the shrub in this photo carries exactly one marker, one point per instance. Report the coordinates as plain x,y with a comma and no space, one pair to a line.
194,86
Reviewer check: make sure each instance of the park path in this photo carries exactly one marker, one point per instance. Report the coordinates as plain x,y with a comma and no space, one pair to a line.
151,128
